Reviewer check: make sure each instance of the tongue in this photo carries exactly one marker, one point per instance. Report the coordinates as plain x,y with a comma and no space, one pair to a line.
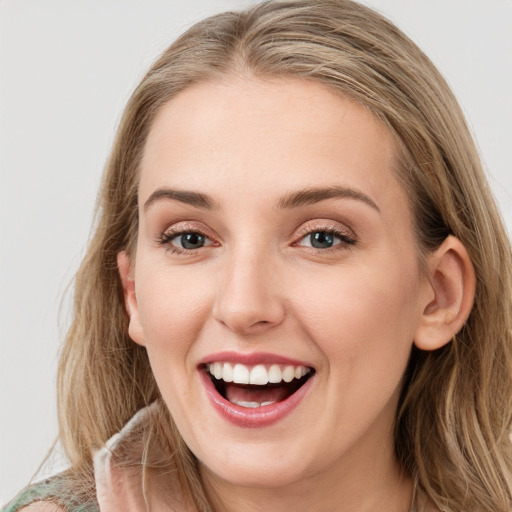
239,393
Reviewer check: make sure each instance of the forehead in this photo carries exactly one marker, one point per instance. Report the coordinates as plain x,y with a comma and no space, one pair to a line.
266,136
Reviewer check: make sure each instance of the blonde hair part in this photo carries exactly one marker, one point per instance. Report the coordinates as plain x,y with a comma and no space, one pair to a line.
454,416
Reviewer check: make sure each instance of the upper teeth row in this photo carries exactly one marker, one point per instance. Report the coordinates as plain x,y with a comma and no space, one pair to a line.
259,374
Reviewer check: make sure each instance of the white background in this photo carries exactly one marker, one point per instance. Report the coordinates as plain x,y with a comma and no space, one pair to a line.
67,68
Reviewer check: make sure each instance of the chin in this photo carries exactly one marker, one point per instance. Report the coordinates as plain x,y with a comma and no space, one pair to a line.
267,474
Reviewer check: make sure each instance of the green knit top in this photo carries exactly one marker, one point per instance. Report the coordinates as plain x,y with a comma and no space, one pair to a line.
55,490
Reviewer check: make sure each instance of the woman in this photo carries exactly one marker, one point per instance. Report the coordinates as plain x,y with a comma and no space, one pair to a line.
297,293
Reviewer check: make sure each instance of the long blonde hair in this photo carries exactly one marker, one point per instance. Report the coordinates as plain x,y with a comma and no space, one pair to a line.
454,415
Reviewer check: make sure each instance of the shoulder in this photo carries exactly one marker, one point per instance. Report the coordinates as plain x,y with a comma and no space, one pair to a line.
42,506
59,493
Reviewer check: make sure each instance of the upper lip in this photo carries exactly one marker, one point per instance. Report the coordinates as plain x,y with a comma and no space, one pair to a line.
251,359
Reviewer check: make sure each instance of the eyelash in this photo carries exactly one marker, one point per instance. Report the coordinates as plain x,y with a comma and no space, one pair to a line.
166,238
345,240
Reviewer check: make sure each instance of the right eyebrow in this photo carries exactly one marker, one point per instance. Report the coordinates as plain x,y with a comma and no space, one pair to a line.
184,196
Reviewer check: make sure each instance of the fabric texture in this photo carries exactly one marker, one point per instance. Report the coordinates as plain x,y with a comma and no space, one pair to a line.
120,484
52,490
116,489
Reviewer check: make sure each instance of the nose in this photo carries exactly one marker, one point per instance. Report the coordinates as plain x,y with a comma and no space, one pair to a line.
249,298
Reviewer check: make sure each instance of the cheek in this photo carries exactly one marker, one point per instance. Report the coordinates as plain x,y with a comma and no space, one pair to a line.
365,329
363,320
172,308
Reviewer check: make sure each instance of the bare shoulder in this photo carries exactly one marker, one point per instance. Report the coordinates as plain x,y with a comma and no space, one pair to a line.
42,506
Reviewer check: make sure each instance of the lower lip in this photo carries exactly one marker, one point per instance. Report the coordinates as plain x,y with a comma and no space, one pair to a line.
257,417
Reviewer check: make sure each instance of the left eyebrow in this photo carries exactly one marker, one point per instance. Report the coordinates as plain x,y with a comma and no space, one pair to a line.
190,197
309,196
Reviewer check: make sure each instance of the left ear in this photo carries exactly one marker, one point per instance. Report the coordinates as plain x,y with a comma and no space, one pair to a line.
452,284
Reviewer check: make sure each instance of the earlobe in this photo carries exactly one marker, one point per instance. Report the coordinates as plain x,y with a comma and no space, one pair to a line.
130,299
452,283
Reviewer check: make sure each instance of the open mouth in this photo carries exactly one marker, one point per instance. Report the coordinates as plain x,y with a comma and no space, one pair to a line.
258,385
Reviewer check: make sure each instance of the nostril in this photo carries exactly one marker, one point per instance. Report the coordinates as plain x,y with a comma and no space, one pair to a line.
247,322
246,299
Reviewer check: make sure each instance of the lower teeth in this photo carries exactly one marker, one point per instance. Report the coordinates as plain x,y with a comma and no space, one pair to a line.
251,405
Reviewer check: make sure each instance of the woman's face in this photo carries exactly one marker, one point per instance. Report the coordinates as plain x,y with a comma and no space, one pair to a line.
275,250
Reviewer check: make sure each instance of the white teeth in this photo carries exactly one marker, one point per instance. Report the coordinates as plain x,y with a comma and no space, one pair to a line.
240,374
289,374
274,374
258,375
217,370
250,405
241,403
227,373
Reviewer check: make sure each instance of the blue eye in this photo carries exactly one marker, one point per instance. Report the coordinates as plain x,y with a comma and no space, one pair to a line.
189,241
322,240
326,239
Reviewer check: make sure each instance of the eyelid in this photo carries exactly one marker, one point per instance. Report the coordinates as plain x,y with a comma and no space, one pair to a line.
325,225
186,226
346,236
165,236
